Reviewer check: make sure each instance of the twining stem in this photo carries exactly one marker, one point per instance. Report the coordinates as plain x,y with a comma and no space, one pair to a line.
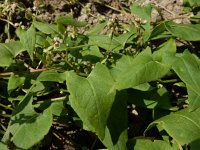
18,72
5,106
168,81
3,127
6,115
53,99
64,90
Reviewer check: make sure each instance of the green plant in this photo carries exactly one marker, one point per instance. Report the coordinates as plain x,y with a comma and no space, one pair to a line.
134,90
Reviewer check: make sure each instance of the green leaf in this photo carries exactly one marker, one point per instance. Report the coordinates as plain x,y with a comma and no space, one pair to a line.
157,98
108,43
193,98
105,42
189,32
142,144
187,68
116,135
8,51
192,2
45,27
168,47
143,87
122,39
41,40
52,76
69,20
183,126
14,82
39,86
28,39
27,126
97,29
143,12
92,54
61,28
58,108
157,31
92,97
4,141
130,72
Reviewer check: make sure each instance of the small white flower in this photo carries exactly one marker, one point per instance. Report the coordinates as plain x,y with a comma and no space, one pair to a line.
134,112
57,40
23,27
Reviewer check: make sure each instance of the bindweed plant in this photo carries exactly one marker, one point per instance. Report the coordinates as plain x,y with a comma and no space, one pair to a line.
136,89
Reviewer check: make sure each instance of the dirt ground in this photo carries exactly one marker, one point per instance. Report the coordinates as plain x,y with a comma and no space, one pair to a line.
94,11
169,8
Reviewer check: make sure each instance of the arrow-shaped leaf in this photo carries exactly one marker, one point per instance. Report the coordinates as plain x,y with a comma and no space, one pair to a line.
92,97
27,126
183,126
130,72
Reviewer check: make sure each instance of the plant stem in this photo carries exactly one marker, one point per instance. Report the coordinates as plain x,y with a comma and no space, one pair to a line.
6,107
31,71
4,128
64,90
9,22
58,98
54,99
168,81
5,115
